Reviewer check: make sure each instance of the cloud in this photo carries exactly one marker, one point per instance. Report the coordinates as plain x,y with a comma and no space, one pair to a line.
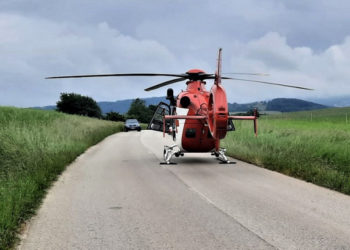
33,48
316,24
296,42
325,71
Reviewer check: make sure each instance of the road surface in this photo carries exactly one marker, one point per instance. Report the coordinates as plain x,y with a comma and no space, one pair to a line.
117,196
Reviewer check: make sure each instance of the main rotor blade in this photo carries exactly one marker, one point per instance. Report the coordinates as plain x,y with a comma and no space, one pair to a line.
249,74
213,77
109,75
271,83
165,83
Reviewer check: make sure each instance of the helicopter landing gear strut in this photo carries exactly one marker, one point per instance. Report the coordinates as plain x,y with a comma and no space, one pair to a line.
168,153
220,155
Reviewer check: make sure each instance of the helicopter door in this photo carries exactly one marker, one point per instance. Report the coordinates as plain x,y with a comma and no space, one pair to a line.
157,119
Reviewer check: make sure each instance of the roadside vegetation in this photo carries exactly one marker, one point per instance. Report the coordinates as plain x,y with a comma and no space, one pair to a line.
72,103
77,104
310,145
35,147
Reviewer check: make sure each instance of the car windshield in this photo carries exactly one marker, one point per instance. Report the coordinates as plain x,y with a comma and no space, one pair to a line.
132,122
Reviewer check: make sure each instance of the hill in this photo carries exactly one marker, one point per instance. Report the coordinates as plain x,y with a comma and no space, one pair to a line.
123,106
291,105
278,104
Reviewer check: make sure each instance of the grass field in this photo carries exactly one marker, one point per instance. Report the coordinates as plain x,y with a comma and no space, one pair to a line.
35,147
313,145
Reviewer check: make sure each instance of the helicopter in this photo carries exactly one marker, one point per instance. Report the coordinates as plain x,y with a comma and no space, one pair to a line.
197,119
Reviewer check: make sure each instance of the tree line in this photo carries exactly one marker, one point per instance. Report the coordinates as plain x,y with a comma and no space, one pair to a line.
77,104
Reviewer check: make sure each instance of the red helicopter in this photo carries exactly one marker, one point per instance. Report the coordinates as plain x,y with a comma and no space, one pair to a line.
196,118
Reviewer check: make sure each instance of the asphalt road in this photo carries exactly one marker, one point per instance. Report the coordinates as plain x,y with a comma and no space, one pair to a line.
117,196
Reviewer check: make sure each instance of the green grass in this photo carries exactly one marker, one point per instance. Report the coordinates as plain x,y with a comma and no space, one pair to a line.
35,147
313,146
144,126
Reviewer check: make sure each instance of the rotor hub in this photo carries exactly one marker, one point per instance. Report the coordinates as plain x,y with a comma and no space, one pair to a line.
196,75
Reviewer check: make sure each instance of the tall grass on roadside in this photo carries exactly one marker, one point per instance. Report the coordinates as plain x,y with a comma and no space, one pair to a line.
35,147
313,146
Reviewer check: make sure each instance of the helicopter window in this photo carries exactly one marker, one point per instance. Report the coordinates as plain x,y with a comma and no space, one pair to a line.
157,119
191,133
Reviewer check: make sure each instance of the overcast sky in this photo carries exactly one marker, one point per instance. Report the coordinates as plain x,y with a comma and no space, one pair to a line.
302,42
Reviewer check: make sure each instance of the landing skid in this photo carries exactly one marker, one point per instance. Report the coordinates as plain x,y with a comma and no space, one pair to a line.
228,162
169,152
170,163
221,156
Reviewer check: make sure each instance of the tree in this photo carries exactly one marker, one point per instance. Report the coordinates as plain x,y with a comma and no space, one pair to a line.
114,116
140,111
152,108
72,103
